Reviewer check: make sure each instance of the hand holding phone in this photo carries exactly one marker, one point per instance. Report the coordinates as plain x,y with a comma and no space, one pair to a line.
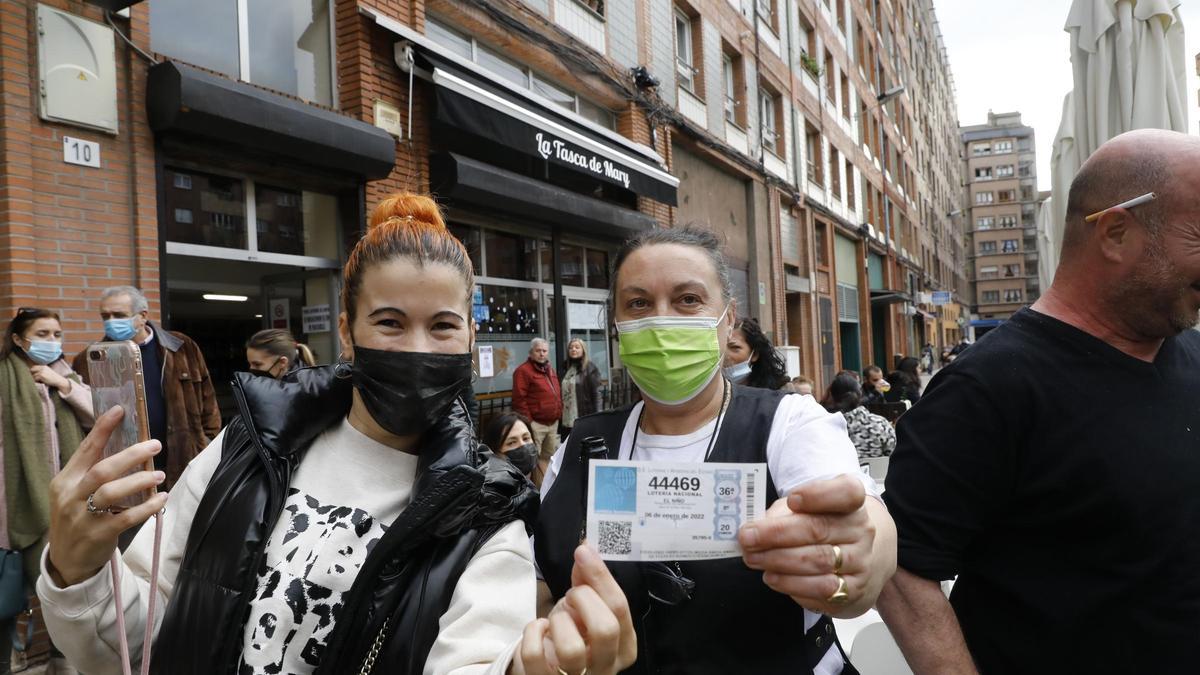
115,375
81,542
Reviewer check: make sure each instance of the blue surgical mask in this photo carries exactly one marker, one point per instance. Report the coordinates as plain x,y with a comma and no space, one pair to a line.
44,352
738,372
119,329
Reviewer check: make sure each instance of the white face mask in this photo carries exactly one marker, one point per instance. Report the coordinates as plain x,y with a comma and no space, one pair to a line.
738,372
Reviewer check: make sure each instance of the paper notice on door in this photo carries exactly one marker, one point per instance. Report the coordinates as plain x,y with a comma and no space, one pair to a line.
487,364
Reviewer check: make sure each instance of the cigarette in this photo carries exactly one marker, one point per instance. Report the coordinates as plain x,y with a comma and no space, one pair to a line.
1136,201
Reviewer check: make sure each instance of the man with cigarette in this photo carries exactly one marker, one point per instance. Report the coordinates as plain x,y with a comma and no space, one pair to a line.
1054,468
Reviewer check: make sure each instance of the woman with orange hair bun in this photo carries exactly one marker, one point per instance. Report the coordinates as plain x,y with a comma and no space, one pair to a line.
348,521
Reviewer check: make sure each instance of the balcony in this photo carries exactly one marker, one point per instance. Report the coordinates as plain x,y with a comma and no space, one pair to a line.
692,107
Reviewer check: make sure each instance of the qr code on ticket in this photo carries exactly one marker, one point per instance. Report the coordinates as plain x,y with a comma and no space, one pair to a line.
615,537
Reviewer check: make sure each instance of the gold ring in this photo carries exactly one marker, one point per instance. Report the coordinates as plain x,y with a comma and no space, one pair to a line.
563,672
837,559
840,596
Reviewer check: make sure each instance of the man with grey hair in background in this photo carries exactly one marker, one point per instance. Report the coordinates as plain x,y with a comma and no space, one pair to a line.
181,405
1054,466
537,395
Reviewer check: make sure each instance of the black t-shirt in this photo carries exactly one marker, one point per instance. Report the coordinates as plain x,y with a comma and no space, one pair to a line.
1059,478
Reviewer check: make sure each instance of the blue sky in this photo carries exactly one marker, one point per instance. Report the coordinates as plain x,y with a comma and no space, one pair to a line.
1014,55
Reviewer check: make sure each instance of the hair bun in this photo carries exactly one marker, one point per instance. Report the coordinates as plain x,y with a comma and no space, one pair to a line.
406,207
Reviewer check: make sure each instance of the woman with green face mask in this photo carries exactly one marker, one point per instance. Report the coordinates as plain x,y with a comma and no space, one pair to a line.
826,545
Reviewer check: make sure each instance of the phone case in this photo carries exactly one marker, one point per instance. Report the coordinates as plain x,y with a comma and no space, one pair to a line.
115,376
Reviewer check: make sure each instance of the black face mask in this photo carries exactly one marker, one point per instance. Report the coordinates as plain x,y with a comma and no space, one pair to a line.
407,392
524,458
265,372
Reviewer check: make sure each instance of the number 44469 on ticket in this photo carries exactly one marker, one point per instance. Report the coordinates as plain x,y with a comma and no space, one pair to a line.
671,511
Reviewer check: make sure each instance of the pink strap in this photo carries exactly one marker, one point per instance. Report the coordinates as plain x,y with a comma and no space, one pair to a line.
113,566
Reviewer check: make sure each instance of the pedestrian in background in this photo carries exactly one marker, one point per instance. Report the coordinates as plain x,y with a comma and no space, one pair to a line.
45,409
274,352
751,360
1052,467
872,435
874,386
537,395
181,405
508,435
581,385
905,382
800,384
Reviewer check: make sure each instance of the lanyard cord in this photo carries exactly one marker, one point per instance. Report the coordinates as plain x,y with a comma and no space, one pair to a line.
712,440
114,564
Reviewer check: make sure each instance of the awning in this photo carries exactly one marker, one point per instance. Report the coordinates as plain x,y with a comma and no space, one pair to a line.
458,179
472,100
888,297
187,100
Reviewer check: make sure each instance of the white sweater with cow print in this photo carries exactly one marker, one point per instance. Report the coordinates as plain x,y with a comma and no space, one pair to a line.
343,496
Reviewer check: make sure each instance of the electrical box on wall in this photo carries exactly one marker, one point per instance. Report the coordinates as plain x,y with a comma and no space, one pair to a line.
77,73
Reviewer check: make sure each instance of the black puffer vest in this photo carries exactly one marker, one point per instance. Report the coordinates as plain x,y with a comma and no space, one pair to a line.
734,623
462,495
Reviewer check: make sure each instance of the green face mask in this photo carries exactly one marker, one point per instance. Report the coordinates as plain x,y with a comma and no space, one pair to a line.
671,358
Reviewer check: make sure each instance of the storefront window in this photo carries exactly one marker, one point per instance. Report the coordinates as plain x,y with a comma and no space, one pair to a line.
207,209
510,256
597,269
289,47
469,236
287,43
280,220
199,33
507,319
571,259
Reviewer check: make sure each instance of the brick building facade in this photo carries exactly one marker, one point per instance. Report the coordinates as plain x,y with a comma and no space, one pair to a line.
766,123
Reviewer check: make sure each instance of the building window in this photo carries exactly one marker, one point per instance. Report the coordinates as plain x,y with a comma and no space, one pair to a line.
595,6
850,184
984,197
731,102
990,297
769,109
983,173
813,157
1004,171
183,216
821,243
1002,147
517,74
981,149
1006,196
684,68
1012,270
986,223
1008,221
1014,295
283,45
989,272
835,171
987,247
183,181
1010,246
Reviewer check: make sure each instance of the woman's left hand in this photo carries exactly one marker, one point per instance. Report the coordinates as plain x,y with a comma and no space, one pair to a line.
47,376
590,630
801,540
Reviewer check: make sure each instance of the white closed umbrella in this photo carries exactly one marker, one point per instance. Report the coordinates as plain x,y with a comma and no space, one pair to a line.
1129,69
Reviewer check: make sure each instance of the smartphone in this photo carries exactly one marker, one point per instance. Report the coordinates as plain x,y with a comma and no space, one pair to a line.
115,375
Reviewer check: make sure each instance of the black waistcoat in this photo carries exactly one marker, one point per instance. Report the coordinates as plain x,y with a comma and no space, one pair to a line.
734,623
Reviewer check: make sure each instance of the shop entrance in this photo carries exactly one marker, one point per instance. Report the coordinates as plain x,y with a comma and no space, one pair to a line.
226,280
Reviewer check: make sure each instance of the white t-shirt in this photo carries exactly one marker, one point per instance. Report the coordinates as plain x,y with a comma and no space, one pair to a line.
806,443
344,495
